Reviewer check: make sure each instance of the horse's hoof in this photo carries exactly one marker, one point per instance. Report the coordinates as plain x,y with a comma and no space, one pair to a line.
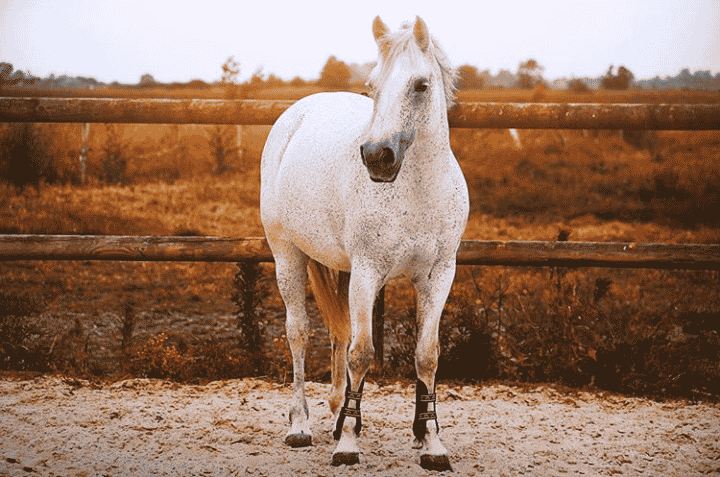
435,462
299,440
345,458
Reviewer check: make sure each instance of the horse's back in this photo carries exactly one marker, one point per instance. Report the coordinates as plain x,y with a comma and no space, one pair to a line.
309,152
314,125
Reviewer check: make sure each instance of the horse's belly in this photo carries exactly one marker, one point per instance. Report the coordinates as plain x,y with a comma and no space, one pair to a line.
313,230
322,248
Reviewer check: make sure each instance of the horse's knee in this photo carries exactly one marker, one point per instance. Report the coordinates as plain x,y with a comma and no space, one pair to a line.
360,356
297,329
426,361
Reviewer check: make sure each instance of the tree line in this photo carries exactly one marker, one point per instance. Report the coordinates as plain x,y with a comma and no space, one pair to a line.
335,74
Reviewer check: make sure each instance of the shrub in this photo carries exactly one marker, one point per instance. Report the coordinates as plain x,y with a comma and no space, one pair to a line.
214,360
401,355
114,164
114,167
223,144
251,288
24,157
685,364
69,351
159,359
466,350
688,203
127,324
173,358
21,346
17,350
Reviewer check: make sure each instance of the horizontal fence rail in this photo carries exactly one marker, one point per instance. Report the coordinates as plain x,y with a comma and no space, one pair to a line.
256,249
266,112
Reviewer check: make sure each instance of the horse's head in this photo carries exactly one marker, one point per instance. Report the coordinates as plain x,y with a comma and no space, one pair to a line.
412,88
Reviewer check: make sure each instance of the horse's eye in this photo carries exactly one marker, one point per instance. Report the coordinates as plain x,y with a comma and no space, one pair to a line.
421,86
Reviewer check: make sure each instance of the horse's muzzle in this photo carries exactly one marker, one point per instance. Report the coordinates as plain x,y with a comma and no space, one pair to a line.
383,159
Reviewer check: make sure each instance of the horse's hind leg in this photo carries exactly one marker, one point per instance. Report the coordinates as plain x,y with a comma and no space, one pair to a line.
331,296
290,267
339,374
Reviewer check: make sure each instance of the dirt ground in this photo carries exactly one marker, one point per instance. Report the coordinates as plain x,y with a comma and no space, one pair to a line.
62,426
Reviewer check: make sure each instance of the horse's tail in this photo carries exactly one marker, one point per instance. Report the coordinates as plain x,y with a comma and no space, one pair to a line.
331,289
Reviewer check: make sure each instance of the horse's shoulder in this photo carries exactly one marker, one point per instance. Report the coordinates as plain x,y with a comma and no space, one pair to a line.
335,117
337,96
338,101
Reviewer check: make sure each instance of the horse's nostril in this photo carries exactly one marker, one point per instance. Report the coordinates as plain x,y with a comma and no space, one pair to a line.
377,157
387,156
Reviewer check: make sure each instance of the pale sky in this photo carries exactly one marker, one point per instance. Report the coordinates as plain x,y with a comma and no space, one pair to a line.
184,40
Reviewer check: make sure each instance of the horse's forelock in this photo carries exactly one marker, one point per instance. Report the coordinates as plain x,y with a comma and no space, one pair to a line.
392,44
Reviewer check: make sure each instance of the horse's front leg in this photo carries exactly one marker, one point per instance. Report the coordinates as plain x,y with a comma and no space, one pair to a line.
432,291
290,267
364,286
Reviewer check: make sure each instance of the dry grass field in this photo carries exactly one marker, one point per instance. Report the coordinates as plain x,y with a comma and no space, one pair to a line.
589,186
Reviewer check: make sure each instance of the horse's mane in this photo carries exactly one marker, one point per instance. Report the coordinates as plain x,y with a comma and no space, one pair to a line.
395,43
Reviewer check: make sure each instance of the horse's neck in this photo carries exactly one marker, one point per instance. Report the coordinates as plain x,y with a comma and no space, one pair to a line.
425,175
432,149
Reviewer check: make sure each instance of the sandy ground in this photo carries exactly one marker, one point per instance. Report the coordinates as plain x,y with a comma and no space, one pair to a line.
57,426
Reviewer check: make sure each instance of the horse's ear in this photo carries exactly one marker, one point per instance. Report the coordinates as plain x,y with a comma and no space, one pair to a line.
380,29
422,35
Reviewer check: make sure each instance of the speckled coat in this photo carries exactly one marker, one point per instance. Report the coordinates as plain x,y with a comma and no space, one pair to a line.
370,187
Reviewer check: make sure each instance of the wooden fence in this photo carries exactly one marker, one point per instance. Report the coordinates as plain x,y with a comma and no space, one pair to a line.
463,115
255,249
265,112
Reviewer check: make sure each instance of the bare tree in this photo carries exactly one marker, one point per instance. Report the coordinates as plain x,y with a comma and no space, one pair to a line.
229,78
224,138
530,73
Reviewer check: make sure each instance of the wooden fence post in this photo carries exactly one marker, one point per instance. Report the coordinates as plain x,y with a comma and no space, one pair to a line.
378,328
84,132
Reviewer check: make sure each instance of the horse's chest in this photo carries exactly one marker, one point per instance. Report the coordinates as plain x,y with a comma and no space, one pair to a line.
408,237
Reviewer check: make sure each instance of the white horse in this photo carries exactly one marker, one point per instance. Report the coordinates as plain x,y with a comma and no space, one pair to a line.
358,191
